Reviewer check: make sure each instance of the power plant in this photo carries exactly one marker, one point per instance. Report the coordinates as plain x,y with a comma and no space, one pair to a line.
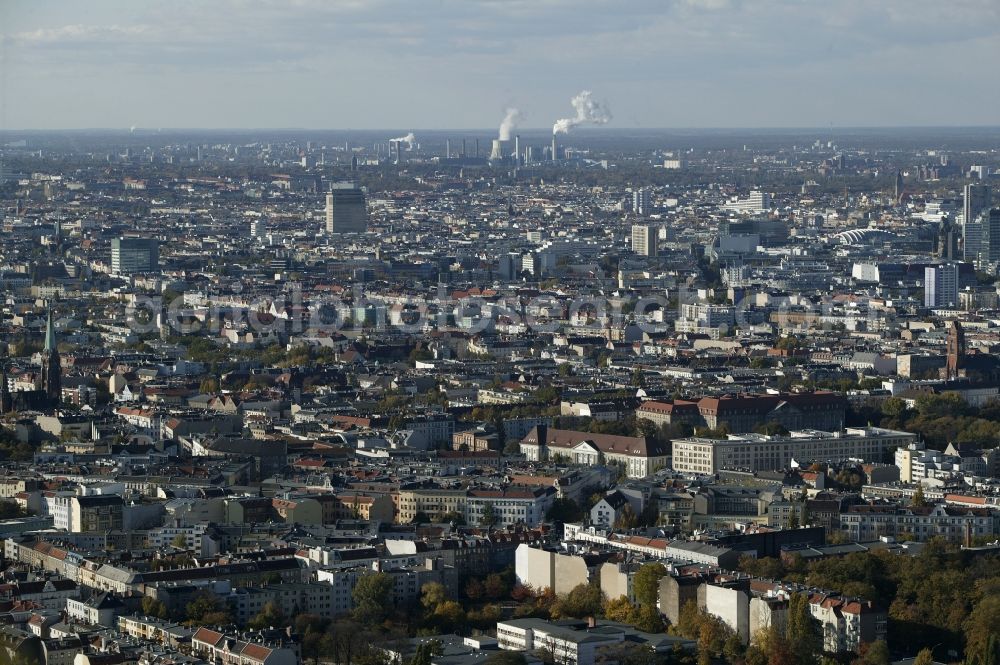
499,150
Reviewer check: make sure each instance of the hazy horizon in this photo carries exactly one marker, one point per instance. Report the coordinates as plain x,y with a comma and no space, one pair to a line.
461,64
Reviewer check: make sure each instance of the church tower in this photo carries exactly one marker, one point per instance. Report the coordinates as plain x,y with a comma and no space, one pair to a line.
51,369
956,351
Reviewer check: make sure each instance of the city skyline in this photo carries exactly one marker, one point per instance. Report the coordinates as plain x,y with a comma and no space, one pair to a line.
370,65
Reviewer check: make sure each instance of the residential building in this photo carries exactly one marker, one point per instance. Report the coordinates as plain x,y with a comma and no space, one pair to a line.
644,237
941,285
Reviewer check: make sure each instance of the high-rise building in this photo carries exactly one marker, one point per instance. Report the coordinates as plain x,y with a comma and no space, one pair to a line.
640,202
346,210
989,249
972,239
644,239
941,285
132,255
258,228
975,199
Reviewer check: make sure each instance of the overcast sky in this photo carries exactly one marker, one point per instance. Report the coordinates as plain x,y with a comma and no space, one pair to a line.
436,64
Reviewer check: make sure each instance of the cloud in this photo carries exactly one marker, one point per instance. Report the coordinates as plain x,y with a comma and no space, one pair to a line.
660,62
68,35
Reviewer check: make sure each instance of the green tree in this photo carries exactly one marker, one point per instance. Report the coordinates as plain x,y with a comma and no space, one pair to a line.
504,657
619,609
489,517
626,519
207,609
981,627
497,585
801,630
180,541
372,596
924,657
425,652
564,510
432,594
689,620
647,583
270,616
918,500
647,618
876,653
583,600
154,608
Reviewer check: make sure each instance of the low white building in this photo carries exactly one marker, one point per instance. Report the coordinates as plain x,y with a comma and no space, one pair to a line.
760,452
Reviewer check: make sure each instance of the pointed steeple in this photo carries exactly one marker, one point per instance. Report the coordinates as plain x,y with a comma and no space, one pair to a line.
50,334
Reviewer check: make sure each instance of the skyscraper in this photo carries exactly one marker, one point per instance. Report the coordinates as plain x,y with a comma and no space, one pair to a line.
132,255
346,210
941,285
989,250
975,199
972,239
644,239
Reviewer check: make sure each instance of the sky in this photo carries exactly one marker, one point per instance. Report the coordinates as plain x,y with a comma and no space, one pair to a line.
458,64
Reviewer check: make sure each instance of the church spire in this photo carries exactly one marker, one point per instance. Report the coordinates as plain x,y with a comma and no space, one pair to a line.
50,334
51,365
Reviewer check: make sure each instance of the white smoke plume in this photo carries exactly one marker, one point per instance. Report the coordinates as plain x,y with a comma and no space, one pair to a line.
510,123
587,111
410,140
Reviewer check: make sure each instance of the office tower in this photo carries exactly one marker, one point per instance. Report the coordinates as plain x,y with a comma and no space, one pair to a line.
132,255
346,211
989,250
644,239
975,199
899,186
941,285
640,202
972,239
